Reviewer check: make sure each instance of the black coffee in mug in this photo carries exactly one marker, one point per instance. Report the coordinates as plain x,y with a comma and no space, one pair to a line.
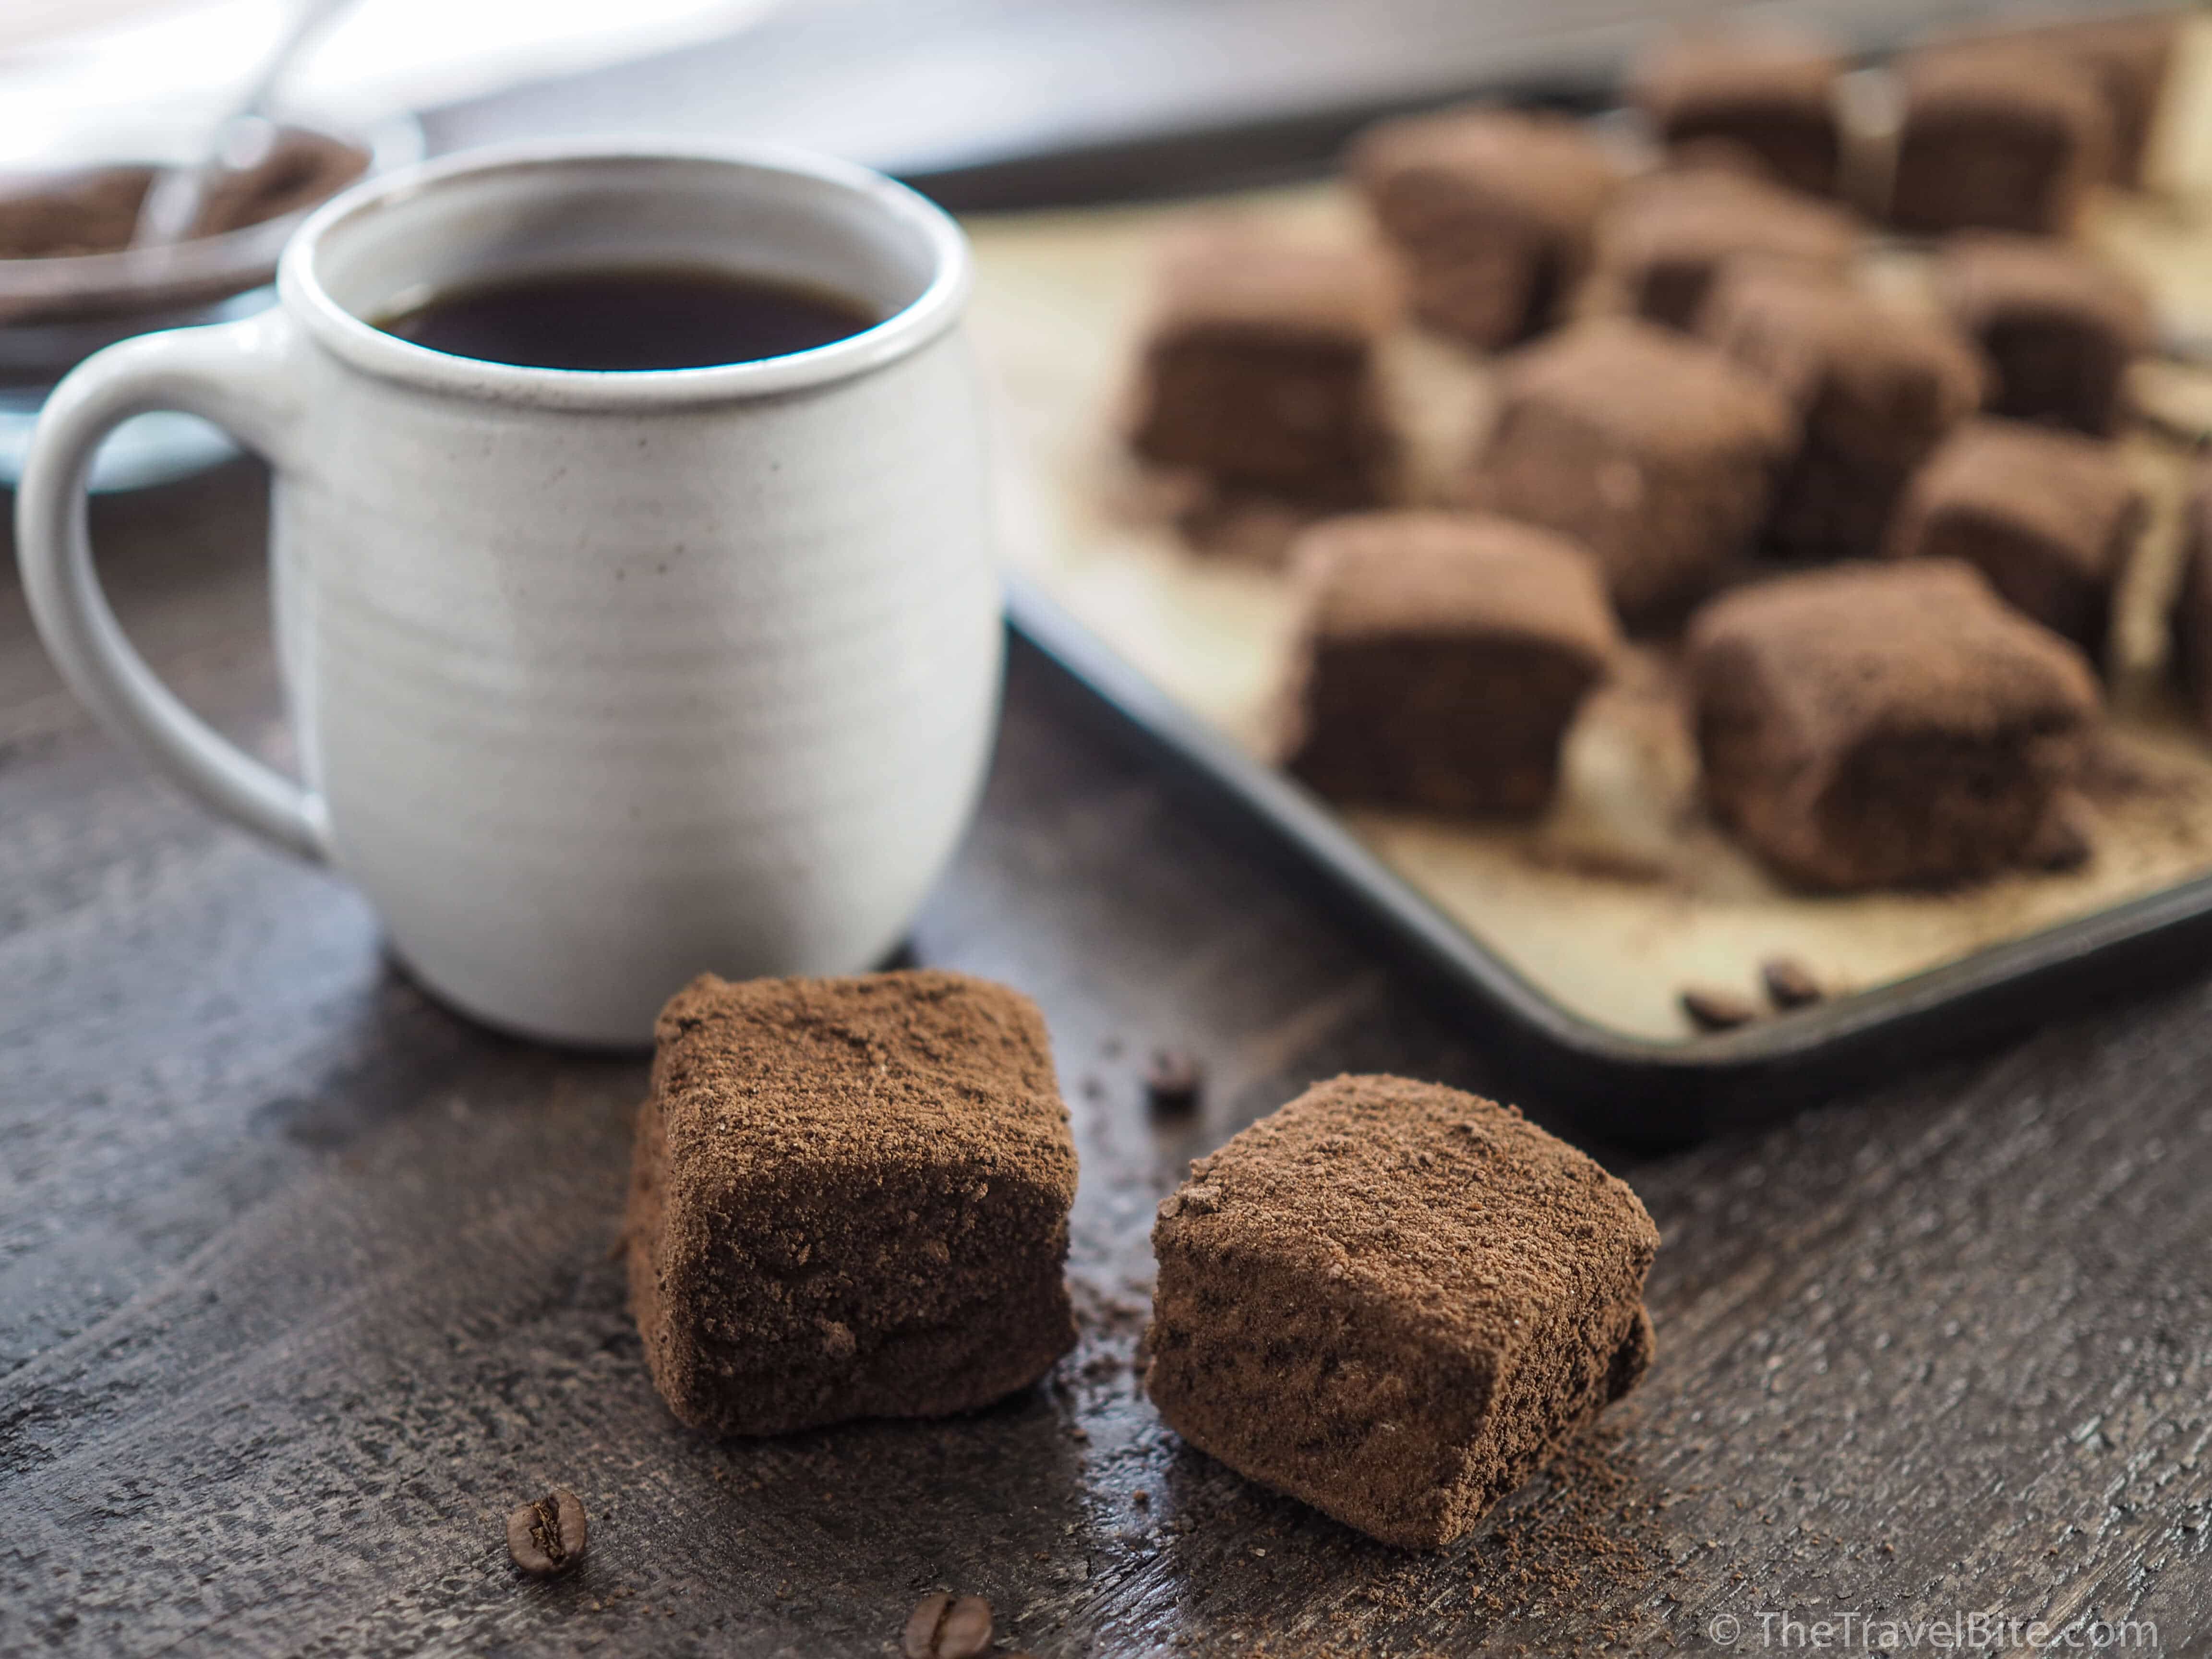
635,318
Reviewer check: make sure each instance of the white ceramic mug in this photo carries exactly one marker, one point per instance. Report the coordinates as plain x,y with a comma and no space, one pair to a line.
599,680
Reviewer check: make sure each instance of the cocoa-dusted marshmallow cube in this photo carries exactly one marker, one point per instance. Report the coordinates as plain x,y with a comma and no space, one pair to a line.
1995,137
1394,1301
1664,240
2060,325
1878,725
1875,390
2049,518
849,1198
1492,210
2128,59
1652,449
1442,657
1259,370
1770,94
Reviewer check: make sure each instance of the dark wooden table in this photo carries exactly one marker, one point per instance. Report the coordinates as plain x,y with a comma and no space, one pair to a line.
305,1283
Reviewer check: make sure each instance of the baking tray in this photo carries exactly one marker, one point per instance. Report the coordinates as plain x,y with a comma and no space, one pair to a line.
1639,1092
1625,1083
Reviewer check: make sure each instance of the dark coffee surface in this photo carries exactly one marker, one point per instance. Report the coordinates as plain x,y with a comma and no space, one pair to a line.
650,317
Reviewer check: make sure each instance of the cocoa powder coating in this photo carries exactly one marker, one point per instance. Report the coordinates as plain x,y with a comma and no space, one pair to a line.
1491,211
1874,389
1998,135
1440,658
1887,724
2060,323
1259,370
2128,58
1654,450
1667,237
849,1198
1770,92
1394,1300
2051,519
1383,576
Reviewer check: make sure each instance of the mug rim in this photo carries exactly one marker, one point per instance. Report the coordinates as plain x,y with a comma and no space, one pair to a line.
364,346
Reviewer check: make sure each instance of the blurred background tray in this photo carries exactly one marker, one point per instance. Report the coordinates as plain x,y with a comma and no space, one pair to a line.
1571,939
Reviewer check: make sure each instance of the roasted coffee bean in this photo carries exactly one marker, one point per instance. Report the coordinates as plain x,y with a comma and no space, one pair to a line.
548,1536
1714,1010
1174,1083
945,1626
1789,983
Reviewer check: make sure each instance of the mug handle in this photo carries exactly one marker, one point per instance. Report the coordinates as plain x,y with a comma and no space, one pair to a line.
237,375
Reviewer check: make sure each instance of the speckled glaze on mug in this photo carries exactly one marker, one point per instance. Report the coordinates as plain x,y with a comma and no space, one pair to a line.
599,680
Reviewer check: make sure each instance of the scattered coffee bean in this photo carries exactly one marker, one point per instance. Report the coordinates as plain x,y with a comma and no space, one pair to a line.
945,1626
1710,1009
1789,983
1173,1083
548,1536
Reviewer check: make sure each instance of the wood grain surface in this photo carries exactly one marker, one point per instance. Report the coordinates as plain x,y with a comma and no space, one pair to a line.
305,1284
